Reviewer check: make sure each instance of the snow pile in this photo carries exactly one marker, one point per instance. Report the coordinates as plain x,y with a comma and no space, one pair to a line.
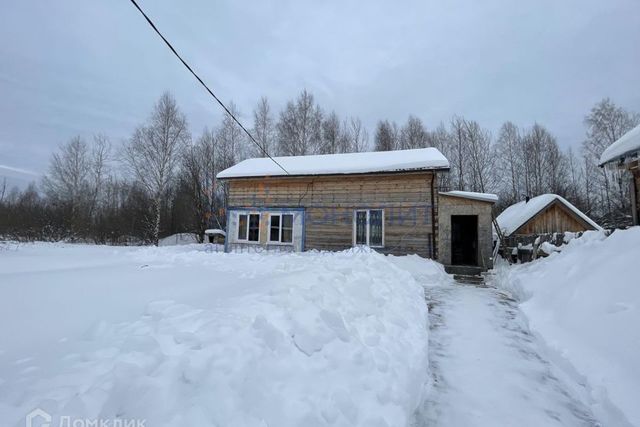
177,336
330,164
627,145
178,239
549,248
425,271
515,216
585,303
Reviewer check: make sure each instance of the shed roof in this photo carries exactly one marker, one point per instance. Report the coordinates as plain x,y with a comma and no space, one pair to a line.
515,216
483,197
627,146
336,164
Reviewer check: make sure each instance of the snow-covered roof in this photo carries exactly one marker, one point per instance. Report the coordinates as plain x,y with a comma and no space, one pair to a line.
515,216
628,145
334,164
483,197
215,231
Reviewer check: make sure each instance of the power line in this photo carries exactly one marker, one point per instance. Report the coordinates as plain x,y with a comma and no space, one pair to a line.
262,149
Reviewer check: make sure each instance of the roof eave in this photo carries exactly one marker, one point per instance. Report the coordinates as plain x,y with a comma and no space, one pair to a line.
433,169
633,154
460,196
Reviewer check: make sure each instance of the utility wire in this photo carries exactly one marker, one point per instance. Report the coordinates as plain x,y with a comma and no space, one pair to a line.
262,149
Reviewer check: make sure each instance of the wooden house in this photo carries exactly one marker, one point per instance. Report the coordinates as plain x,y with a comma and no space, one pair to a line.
388,201
625,154
544,214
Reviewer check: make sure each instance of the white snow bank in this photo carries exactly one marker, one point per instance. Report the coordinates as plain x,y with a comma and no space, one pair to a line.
483,197
181,337
178,239
425,271
585,303
329,164
627,145
549,248
515,216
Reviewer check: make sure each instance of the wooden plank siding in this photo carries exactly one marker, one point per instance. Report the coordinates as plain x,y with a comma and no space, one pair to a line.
555,217
330,202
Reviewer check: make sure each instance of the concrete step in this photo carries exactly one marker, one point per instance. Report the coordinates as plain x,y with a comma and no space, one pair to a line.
463,270
469,280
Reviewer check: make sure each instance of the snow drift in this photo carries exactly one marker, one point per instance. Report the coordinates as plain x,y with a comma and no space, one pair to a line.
181,337
585,303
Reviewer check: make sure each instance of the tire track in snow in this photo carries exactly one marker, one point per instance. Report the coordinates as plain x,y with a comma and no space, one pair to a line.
488,369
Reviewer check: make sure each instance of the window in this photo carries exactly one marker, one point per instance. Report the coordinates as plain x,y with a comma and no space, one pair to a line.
281,228
242,227
361,227
368,227
249,227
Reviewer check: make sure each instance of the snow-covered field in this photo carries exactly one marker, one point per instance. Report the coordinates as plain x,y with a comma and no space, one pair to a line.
584,302
183,337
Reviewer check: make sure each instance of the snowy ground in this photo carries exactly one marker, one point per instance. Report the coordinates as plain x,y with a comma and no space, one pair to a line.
584,303
488,369
180,336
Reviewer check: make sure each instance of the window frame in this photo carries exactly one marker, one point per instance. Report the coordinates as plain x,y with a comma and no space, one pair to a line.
367,227
246,236
279,241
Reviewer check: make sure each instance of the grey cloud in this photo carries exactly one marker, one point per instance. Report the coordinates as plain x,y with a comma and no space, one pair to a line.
78,67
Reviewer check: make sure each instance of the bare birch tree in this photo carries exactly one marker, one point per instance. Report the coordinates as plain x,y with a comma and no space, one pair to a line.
605,124
231,140
200,167
264,128
413,134
509,148
332,135
3,189
66,183
386,137
300,127
153,153
358,135
481,156
458,152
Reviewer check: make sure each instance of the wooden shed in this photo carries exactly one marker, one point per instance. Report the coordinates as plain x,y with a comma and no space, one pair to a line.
544,214
465,235
625,154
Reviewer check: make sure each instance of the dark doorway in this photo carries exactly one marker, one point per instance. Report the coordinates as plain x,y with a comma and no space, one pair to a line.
464,239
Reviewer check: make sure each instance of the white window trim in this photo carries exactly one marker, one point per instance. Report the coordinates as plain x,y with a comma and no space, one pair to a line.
367,227
246,236
279,241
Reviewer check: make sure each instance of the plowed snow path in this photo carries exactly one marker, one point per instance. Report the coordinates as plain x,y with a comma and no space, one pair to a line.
488,369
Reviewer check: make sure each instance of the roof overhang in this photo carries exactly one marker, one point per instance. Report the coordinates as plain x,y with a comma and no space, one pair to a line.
328,175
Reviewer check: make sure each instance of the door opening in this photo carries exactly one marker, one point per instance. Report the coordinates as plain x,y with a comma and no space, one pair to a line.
464,239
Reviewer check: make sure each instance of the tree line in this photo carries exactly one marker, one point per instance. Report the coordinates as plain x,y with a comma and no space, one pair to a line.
162,180
519,162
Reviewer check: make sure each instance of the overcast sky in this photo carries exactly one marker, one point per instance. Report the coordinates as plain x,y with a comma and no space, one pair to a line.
79,67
